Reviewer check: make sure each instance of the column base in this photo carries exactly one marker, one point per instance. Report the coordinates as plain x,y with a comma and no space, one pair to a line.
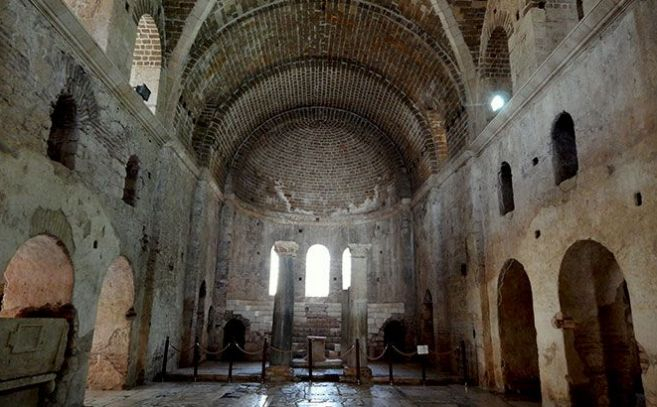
349,375
278,374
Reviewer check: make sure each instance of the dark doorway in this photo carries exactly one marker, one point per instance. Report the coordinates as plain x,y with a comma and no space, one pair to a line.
517,332
394,333
235,333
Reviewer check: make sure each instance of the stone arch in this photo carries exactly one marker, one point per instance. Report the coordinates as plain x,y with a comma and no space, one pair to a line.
564,148
109,357
147,60
517,330
505,189
602,354
39,275
427,336
131,181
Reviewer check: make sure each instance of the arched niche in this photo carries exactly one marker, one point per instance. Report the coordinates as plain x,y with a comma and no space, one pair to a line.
519,349
147,59
601,351
39,274
109,357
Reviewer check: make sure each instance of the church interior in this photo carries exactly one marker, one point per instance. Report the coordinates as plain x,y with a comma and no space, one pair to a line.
461,187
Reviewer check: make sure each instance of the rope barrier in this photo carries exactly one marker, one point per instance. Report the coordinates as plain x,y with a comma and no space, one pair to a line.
348,351
380,356
178,350
258,352
214,352
272,347
408,355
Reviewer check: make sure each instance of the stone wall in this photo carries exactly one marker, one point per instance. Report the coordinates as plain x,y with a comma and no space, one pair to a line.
243,271
606,84
39,64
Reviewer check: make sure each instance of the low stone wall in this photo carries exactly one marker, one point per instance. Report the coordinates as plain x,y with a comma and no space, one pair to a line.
319,319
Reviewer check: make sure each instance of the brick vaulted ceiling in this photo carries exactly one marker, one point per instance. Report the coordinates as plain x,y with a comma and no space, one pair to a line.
386,63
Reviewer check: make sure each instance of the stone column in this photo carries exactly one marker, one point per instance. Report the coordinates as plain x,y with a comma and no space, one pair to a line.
357,320
281,330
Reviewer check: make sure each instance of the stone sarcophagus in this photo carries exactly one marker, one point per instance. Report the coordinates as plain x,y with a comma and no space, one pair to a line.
31,351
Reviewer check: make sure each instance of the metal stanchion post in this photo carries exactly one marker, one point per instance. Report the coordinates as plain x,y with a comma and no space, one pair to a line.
197,357
310,360
166,359
423,359
231,356
264,361
390,377
357,361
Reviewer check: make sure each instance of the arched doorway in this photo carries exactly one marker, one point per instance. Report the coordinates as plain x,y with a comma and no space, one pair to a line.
518,332
40,274
108,360
426,321
601,350
234,332
394,334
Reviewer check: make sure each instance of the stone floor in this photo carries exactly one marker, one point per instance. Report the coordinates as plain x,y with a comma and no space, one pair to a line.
217,371
296,394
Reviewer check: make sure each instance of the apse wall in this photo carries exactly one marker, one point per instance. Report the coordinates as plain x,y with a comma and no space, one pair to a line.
463,240
244,265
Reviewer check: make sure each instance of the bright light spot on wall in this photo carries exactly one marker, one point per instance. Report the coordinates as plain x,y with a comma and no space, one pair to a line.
497,102
273,271
346,269
318,266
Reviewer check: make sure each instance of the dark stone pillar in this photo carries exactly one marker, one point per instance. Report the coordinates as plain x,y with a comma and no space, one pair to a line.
281,330
357,319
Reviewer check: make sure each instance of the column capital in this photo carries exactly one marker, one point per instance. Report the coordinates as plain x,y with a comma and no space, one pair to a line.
284,248
359,250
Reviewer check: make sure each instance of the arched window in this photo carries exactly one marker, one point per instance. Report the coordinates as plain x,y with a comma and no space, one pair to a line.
131,178
273,271
346,269
564,148
505,189
63,138
146,61
496,85
318,265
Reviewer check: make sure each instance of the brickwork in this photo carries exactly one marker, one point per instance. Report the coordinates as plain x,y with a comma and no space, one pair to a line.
318,161
147,50
225,59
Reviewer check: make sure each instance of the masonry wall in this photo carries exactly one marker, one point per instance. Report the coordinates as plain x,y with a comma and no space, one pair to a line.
36,67
609,89
242,280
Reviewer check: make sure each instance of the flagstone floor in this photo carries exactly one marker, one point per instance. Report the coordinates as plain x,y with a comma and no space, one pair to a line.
297,395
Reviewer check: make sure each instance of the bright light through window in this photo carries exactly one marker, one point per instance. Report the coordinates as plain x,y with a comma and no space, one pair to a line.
346,269
318,265
497,102
273,271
